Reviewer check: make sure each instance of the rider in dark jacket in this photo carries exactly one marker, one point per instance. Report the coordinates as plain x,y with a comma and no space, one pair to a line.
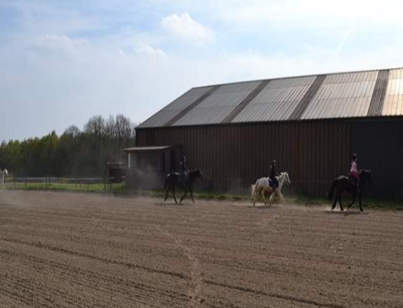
183,166
272,175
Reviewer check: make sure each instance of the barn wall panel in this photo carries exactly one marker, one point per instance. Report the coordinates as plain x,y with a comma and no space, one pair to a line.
232,156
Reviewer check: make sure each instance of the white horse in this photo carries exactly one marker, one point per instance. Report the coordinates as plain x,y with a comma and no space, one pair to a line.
262,187
3,175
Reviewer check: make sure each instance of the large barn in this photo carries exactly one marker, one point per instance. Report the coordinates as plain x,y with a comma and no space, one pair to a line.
310,124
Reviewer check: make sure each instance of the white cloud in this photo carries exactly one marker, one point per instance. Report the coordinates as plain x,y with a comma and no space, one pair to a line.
146,49
308,13
59,44
185,27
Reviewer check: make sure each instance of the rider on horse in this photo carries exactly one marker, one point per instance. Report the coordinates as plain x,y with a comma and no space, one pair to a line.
354,173
184,170
272,175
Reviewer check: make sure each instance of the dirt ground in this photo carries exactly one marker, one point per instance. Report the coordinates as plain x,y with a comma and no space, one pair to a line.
90,250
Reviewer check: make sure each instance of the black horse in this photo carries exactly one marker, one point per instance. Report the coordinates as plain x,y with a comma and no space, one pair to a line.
184,180
344,183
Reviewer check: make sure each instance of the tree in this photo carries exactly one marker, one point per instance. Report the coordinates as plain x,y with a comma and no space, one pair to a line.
74,153
72,131
95,126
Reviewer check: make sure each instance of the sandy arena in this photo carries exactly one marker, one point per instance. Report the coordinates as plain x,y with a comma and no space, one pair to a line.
90,250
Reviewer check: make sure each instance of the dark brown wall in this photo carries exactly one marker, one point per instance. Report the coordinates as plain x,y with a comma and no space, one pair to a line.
233,156
380,144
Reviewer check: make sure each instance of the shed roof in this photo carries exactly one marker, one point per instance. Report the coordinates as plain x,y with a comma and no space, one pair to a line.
325,96
151,148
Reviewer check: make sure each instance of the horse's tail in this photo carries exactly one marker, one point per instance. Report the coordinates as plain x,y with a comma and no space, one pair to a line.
331,191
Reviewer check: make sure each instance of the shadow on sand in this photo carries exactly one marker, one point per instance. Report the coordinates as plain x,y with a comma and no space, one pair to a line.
346,212
260,207
169,203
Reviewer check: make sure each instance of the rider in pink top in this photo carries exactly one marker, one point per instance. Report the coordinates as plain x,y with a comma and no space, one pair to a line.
354,173
354,167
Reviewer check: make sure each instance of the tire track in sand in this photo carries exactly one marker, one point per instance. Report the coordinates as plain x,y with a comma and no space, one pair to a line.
93,257
196,275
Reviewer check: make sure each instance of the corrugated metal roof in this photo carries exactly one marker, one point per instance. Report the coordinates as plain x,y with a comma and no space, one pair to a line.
276,101
336,95
342,95
219,104
174,108
393,104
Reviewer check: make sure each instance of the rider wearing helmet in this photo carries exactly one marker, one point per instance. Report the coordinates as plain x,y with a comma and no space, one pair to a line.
272,175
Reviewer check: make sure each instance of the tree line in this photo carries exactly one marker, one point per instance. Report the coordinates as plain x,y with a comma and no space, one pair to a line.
74,153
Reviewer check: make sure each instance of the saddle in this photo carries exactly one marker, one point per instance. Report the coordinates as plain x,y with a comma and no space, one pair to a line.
182,176
273,183
354,181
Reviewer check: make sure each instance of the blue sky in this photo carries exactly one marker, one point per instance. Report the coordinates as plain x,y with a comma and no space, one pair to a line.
62,62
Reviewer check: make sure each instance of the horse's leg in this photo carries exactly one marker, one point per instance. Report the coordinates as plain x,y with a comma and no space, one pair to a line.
336,197
252,193
167,189
254,197
256,194
262,193
173,193
359,201
341,205
354,197
281,196
184,195
271,197
166,193
191,194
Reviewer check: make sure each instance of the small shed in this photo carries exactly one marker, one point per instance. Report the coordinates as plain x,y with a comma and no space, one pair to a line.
116,172
147,166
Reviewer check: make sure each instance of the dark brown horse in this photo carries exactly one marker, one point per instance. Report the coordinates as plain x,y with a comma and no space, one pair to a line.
343,183
183,180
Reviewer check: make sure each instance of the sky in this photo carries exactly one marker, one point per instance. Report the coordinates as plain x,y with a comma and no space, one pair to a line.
62,62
